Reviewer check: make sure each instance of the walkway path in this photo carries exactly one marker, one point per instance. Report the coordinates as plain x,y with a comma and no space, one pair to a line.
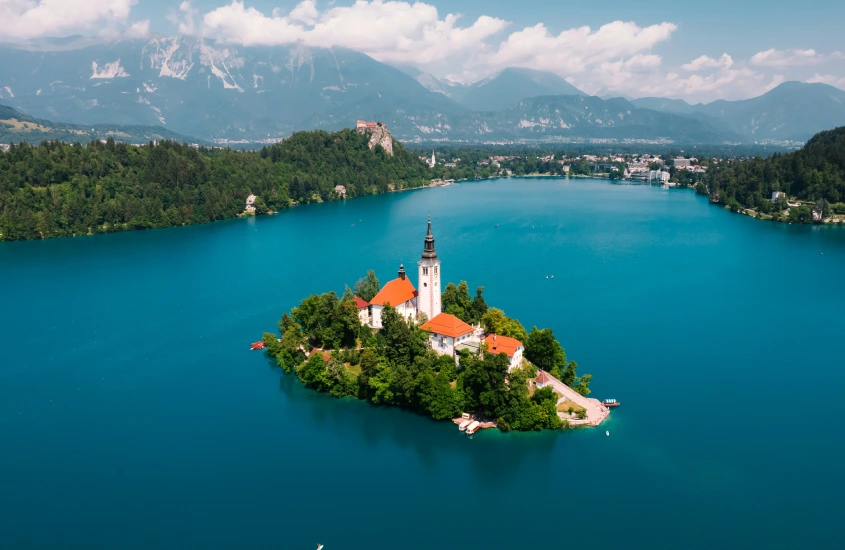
596,412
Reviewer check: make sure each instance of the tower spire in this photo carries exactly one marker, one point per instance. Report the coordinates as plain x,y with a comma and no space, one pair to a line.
428,248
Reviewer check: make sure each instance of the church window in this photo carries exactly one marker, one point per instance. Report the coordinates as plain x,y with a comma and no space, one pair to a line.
425,271
425,284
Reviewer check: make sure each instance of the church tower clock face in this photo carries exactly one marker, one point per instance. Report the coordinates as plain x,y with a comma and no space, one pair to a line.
429,278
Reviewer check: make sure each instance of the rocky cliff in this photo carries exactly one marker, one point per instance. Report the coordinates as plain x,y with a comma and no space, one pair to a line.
379,135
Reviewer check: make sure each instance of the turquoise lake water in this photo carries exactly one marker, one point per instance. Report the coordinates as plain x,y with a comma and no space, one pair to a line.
133,416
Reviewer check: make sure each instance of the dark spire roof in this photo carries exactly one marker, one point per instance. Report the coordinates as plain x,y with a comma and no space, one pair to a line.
428,249
401,271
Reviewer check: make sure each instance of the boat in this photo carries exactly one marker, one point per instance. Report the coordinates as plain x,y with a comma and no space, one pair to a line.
607,432
463,425
472,428
610,403
256,345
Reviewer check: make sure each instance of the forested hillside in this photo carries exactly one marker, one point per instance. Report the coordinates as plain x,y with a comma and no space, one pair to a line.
56,190
814,173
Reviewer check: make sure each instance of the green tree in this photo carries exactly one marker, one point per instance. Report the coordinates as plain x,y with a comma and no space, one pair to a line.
367,287
543,350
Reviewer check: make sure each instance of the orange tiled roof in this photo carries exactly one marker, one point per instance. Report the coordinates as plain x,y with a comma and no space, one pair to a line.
497,344
447,325
395,292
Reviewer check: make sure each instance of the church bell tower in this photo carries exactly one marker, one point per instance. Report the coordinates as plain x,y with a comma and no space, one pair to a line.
428,301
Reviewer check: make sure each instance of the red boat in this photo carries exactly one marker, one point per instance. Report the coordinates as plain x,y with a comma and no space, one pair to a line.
257,345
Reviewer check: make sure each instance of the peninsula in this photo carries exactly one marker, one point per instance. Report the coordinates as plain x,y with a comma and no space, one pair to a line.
436,351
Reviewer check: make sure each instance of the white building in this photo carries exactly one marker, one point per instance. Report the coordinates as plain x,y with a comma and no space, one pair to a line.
542,380
511,347
682,164
363,310
400,294
447,331
777,194
250,203
431,162
428,277
658,175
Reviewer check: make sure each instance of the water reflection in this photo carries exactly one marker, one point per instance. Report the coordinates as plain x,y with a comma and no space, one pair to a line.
490,452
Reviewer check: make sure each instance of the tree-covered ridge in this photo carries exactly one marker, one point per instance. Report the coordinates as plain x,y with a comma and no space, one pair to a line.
57,190
815,173
16,127
394,366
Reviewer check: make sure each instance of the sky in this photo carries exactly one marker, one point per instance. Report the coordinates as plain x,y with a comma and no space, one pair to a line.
705,51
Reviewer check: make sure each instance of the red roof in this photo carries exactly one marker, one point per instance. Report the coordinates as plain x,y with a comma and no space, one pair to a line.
542,378
395,292
326,355
447,325
361,302
497,344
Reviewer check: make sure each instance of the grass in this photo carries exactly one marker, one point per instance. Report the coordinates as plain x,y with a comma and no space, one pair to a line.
565,405
353,370
22,126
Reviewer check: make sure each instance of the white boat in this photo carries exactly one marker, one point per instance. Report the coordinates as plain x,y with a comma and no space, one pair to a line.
472,428
463,425
607,432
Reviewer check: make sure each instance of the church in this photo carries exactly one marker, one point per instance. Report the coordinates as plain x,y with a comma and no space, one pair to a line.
401,294
447,333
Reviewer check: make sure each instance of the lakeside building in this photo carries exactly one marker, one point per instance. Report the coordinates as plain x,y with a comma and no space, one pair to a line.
682,163
399,293
777,194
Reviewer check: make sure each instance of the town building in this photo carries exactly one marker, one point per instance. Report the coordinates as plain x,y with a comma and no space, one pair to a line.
365,124
777,194
340,190
447,332
250,203
511,347
682,164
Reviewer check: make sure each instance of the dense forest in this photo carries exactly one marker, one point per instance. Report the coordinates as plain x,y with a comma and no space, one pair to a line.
393,366
57,190
815,174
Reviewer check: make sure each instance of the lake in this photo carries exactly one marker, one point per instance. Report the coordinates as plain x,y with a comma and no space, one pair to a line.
132,414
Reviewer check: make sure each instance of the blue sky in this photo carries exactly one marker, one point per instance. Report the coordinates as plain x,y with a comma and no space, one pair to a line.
699,52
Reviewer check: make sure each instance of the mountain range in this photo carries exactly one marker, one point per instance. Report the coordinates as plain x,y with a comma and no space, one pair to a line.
228,93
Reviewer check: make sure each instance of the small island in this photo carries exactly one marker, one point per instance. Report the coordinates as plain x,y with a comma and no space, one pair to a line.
442,354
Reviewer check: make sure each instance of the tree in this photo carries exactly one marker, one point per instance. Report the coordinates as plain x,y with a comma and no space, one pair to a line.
583,385
570,373
455,301
367,287
494,321
479,306
543,350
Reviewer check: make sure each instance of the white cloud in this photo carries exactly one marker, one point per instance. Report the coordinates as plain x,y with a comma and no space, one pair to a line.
389,31
184,19
139,29
837,81
786,58
32,18
705,62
